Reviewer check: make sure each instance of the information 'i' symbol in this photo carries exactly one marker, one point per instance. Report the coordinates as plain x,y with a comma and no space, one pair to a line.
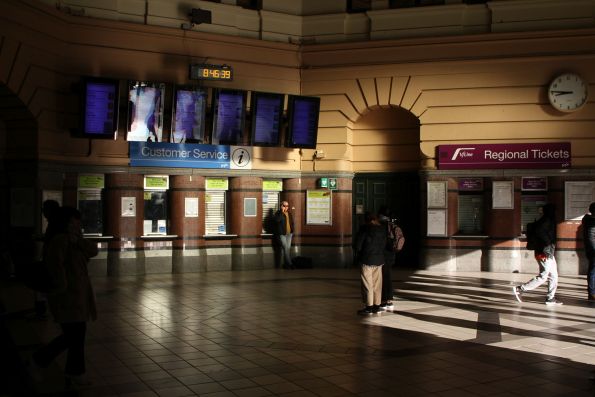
241,157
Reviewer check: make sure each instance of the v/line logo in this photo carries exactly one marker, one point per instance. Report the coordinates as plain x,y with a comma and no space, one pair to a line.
463,152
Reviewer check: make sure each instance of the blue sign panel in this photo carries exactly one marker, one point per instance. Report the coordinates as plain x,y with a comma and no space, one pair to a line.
186,155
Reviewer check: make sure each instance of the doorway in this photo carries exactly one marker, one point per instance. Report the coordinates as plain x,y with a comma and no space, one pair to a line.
400,193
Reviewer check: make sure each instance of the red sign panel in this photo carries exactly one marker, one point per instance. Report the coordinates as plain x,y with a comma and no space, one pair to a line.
515,155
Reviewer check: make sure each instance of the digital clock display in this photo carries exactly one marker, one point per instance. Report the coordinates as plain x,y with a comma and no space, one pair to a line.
211,72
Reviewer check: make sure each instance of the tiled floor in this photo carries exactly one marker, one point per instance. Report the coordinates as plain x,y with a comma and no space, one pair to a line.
296,333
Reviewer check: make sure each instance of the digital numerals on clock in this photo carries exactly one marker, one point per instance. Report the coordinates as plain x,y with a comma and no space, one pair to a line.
215,74
211,72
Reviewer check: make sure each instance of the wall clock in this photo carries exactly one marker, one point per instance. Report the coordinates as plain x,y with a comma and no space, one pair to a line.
568,92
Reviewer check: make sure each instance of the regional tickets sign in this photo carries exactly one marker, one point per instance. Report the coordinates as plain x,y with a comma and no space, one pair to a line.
520,155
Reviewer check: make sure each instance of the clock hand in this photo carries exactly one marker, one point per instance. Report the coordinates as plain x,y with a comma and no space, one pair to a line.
558,93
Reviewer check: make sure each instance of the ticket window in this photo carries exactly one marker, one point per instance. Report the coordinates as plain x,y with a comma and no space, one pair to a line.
271,197
530,204
90,203
471,213
216,206
270,205
533,195
90,206
215,213
155,220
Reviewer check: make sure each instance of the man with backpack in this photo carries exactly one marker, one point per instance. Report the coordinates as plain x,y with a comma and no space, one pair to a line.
542,236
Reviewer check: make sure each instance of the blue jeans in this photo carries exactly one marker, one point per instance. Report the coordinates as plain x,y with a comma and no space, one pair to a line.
285,240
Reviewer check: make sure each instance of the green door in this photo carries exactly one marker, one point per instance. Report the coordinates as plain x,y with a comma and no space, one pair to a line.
400,193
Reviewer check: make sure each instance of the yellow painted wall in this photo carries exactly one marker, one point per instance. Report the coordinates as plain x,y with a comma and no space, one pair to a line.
476,88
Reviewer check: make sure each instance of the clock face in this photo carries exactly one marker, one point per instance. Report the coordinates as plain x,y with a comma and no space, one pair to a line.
568,92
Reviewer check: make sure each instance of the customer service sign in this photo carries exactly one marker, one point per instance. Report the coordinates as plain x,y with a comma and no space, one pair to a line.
495,156
189,155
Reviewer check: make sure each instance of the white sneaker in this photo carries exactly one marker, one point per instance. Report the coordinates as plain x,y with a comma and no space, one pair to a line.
517,293
553,302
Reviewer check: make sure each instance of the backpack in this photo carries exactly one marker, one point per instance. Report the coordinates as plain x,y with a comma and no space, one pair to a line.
396,239
531,236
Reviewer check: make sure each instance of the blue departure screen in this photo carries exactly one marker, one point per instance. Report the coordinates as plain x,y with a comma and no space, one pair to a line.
100,117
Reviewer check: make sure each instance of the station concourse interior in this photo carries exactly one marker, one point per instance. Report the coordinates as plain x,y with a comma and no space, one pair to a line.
296,333
192,296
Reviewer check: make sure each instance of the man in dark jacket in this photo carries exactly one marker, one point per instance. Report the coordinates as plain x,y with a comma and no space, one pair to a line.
370,243
545,246
283,231
588,224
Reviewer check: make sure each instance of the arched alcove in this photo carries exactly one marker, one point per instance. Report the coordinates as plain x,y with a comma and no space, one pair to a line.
386,161
386,139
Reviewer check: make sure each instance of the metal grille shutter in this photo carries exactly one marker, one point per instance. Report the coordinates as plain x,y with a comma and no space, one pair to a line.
270,205
530,209
215,212
470,214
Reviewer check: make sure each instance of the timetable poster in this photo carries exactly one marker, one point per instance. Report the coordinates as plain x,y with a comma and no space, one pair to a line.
189,120
100,109
318,207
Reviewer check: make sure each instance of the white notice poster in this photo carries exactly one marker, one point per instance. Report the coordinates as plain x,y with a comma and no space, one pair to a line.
436,222
502,195
437,194
578,195
147,227
191,207
128,206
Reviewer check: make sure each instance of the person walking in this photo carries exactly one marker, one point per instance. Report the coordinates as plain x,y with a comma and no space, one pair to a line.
588,224
369,247
71,298
283,232
545,246
389,260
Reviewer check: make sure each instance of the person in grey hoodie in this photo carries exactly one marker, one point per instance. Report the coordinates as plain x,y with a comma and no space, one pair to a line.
588,224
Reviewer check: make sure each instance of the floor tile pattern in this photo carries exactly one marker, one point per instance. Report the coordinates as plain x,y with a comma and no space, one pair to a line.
296,333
